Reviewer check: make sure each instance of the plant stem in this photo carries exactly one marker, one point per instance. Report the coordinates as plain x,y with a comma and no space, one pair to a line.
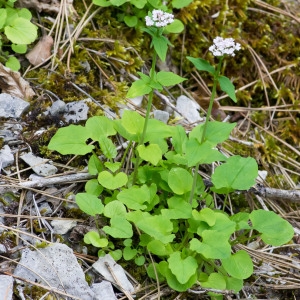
211,102
149,104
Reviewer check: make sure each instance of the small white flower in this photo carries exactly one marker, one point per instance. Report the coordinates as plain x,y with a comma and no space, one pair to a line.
224,46
159,18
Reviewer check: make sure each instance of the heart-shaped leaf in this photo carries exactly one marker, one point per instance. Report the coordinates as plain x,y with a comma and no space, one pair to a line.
112,182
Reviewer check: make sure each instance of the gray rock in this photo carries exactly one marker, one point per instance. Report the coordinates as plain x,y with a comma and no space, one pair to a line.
57,266
11,106
39,165
189,109
2,250
57,108
137,101
76,111
119,273
45,209
62,226
161,115
103,291
6,157
6,287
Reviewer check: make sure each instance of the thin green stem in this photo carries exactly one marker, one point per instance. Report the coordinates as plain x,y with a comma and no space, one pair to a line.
211,102
149,105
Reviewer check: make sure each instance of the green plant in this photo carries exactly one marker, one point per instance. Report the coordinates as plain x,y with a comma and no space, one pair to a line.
161,208
16,31
133,12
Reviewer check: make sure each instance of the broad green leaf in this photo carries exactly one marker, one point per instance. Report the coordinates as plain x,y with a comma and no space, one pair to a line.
238,173
214,245
169,78
131,21
174,158
135,197
275,230
119,228
140,261
183,269
152,274
176,27
214,281
103,3
242,220
25,13
227,86
92,187
202,64
129,253
234,284
113,167
216,132
160,44
99,127
179,139
21,31
151,153
114,208
221,223
71,140
158,248
138,88
94,165
107,147
181,3
11,15
207,215
3,15
180,181
157,130
158,227
138,3
201,153
117,2
172,280
90,204
116,254
21,49
178,209
238,265
132,122
112,182
13,63
93,237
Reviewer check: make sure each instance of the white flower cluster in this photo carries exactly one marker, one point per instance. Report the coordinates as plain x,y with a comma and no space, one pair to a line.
224,46
159,18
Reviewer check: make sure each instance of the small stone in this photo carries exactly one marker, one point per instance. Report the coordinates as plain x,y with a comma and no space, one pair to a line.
137,101
6,287
6,157
57,108
189,109
39,165
76,111
57,266
103,291
262,175
119,273
62,226
161,115
11,106
45,209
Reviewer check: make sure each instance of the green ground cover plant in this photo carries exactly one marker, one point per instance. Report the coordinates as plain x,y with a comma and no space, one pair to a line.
16,32
152,197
